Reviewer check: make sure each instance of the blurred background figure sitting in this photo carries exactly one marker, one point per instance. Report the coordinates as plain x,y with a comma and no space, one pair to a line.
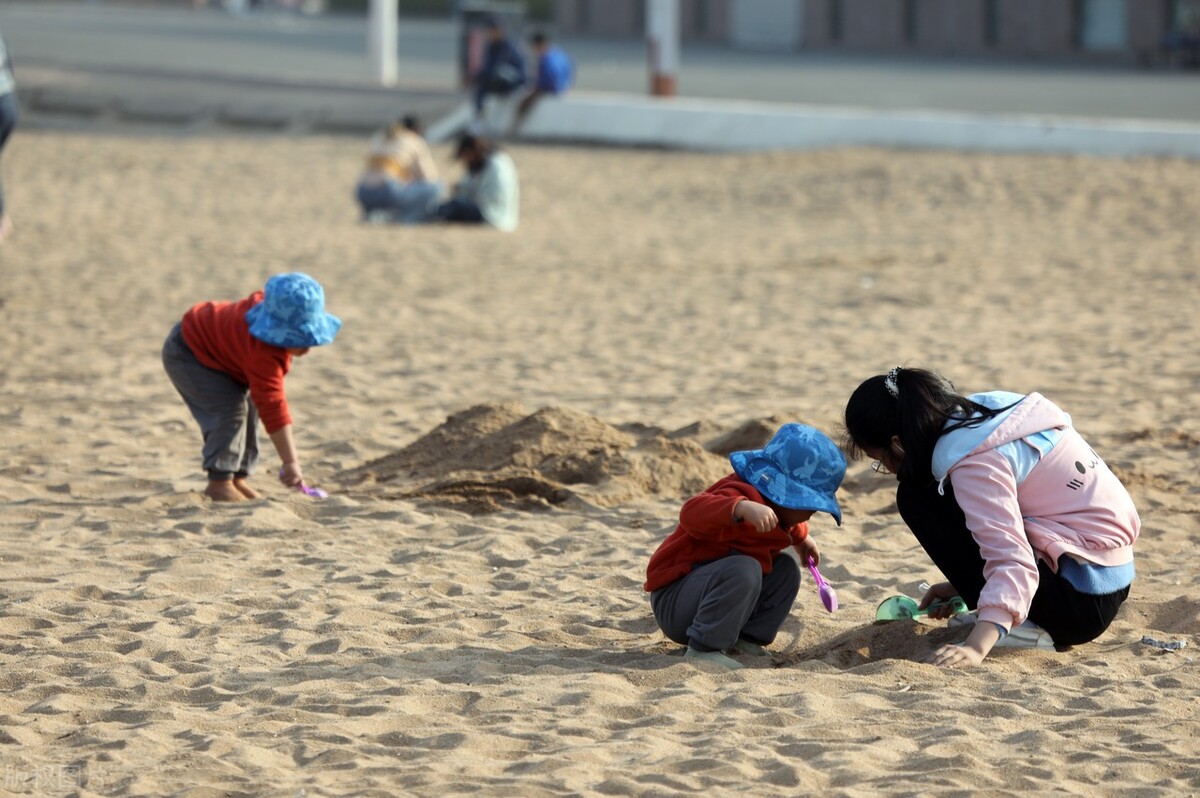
555,73
400,182
490,192
8,120
503,70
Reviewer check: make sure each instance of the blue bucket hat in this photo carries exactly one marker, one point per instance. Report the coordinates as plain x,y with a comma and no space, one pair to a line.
800,468
292,313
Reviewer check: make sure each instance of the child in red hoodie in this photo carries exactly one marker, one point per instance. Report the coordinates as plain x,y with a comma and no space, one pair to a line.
228,361
722,579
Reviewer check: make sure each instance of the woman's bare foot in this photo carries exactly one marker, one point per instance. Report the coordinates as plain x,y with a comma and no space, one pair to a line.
244,488
223,491
5,228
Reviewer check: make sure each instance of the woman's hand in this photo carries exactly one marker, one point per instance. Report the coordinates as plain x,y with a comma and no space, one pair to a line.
955,656
971,651
939,592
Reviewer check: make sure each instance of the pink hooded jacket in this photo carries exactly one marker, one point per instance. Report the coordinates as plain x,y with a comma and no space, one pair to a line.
1067,503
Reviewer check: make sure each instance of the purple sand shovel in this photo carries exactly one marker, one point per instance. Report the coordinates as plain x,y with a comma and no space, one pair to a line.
315,493
828,597
307,490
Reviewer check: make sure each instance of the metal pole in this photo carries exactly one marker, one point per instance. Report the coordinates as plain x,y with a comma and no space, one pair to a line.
382,36
662,45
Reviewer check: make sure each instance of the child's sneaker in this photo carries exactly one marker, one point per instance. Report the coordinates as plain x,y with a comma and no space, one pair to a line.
713,657
1027,635
750,648
964,619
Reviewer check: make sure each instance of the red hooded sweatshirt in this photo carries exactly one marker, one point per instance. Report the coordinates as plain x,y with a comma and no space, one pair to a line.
219,337
707,532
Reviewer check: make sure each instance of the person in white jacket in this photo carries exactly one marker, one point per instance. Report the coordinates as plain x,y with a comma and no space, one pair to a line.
1027,523
490,192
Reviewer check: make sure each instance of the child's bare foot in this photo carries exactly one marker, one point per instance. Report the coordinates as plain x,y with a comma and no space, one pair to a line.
5,228
244,488
223,491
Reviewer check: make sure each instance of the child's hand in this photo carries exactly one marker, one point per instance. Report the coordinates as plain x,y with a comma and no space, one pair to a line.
291,475
808,548
759,516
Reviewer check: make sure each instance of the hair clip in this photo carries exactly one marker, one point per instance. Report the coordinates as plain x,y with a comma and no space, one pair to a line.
890,383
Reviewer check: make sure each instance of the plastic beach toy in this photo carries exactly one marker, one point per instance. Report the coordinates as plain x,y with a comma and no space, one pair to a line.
896,608
315,493
828,597
308,490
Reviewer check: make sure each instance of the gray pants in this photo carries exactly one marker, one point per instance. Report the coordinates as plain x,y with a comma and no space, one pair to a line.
720,601
221,406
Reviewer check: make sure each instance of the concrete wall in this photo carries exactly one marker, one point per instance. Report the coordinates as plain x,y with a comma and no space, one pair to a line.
1038,27
600,17
1047,29
705,20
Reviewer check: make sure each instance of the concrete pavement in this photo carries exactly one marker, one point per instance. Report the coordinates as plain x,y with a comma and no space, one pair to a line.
141,102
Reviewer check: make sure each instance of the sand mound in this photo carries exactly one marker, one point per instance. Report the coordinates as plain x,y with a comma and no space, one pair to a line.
899,640
494,455
750,435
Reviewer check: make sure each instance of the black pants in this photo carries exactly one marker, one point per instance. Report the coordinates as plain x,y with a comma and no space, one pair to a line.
460,210
1070,617
495,84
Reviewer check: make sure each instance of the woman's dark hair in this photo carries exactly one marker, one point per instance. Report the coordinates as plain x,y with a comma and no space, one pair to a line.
470,141
406,122
917,415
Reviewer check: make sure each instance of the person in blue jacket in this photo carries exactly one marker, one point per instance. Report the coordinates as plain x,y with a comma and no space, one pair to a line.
503,70
555,74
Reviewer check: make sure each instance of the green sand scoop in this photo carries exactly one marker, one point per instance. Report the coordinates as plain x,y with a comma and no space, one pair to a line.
897,608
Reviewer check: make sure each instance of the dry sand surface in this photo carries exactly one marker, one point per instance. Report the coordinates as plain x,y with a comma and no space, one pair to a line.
507,424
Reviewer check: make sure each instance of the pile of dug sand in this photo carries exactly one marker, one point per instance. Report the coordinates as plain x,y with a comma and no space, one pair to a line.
496,455
896,640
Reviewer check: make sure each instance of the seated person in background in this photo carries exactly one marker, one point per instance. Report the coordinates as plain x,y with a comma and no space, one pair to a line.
555,73
489,193
503,70
400,182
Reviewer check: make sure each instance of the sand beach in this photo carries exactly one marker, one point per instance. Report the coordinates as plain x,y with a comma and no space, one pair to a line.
507,425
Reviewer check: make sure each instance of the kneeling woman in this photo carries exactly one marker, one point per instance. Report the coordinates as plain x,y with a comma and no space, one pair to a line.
1025,521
